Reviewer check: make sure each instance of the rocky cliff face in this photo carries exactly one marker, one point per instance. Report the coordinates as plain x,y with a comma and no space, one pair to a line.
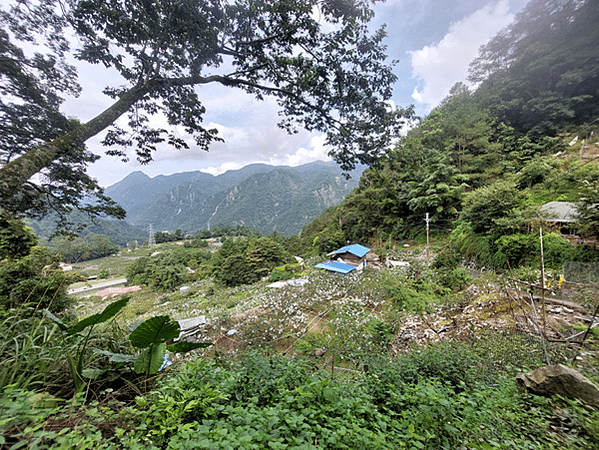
268,198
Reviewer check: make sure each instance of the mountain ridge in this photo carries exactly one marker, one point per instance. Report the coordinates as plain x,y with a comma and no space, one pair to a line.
269,198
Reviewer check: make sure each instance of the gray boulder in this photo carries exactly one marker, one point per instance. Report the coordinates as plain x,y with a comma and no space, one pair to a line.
559,380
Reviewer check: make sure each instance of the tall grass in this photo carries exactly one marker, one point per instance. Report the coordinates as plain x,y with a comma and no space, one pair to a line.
29,354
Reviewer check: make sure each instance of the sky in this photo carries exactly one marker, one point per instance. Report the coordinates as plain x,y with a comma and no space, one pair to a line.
433,40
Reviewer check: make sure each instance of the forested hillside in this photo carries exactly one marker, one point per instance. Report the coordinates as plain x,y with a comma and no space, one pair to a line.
486,159
118,231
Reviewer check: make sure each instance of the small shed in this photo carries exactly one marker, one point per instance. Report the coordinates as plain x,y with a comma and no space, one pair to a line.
560,214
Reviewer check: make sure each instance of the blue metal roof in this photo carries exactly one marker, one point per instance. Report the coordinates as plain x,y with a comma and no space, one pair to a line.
354,249
336,267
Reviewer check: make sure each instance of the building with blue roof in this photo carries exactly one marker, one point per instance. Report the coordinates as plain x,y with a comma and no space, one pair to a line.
348,258
338,267
355,249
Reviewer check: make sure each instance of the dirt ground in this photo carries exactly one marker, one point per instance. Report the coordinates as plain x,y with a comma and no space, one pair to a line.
499,310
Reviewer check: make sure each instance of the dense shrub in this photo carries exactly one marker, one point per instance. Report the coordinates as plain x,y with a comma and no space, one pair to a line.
76,249
167,270
584,253
415,291
446,259
455,279
510,353
471,245
285,272
485,208
448,362
246,261
525,249
16,239
514,250
433,399
235,271
280,403
30,351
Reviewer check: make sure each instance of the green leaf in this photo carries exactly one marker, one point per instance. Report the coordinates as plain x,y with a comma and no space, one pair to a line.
94,374
109,312
155,330
55,319
150,359
184,346
451,429
117,357
329,394
20,444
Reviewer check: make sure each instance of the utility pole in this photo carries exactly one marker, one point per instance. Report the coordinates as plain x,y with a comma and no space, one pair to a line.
427,228
542,277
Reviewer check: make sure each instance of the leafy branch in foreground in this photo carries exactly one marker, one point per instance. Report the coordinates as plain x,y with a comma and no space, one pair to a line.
76,361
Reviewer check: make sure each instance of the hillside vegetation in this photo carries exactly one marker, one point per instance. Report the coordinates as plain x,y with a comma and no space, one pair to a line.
484,161
286,356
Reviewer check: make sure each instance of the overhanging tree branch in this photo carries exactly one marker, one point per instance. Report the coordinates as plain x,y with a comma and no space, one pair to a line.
337,84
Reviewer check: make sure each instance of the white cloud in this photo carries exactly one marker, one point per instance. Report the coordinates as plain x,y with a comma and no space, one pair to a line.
222,168
317,152
442,65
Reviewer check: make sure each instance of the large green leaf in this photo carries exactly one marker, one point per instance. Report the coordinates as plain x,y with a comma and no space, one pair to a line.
109,312
94,374
155,330
150,359
184,346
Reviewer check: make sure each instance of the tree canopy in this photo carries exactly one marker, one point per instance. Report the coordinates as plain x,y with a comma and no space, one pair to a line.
541,72
332,79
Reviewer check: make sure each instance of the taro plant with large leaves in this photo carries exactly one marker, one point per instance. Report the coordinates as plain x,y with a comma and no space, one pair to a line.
149,336
76,360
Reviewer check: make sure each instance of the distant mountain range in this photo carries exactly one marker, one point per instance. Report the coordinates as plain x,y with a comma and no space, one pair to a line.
268,198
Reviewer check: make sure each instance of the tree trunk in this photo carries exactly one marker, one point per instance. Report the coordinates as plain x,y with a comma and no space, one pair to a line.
14,174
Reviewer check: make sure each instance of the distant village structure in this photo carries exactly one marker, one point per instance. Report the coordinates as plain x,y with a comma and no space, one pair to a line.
561,217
